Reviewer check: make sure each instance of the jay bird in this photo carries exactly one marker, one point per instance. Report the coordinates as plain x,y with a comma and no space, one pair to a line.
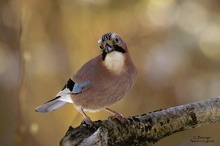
99,83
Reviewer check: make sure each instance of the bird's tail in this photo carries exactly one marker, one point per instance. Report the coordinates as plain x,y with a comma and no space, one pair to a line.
51,105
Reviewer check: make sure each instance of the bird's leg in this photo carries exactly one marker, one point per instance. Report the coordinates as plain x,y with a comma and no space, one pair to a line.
117,115
86,119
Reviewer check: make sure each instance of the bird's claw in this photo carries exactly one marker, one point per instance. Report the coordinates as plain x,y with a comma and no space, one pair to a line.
118,116
88,122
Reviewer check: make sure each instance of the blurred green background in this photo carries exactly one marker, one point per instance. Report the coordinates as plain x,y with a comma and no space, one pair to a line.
175,45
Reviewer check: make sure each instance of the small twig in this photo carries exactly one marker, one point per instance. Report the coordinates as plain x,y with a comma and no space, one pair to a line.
146,129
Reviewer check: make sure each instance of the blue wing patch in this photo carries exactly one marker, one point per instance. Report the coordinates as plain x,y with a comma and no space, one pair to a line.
78,87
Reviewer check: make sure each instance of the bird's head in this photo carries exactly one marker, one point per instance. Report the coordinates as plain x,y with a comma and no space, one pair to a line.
111,42
114,52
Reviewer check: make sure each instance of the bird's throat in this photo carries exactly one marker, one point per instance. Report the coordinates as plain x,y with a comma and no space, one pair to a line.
115,61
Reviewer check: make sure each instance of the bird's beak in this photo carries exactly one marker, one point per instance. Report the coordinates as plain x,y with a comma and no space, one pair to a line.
108,48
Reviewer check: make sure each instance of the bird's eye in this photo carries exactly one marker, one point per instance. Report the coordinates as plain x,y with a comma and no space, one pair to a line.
117,40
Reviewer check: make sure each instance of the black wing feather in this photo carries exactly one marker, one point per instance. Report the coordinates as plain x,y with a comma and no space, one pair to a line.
69,84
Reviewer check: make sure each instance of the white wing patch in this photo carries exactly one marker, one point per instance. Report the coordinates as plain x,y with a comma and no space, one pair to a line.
65,93
114,61
66,98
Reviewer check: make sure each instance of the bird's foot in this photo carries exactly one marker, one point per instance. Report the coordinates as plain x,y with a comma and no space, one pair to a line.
88,121
116,115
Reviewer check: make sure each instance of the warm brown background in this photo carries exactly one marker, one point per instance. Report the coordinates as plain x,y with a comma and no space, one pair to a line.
175,45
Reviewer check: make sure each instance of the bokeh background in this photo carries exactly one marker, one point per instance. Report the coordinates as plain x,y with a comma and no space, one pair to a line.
175,45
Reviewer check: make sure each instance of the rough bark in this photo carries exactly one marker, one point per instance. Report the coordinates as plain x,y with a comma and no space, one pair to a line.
145,129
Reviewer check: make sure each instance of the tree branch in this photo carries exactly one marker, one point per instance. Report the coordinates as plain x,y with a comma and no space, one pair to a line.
146,129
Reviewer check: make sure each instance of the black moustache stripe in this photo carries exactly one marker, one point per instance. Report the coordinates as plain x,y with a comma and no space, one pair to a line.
116,48
103,55
119,49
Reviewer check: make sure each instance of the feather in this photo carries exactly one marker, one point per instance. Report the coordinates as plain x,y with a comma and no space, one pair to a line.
63,97
51,105
78,87
66,98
